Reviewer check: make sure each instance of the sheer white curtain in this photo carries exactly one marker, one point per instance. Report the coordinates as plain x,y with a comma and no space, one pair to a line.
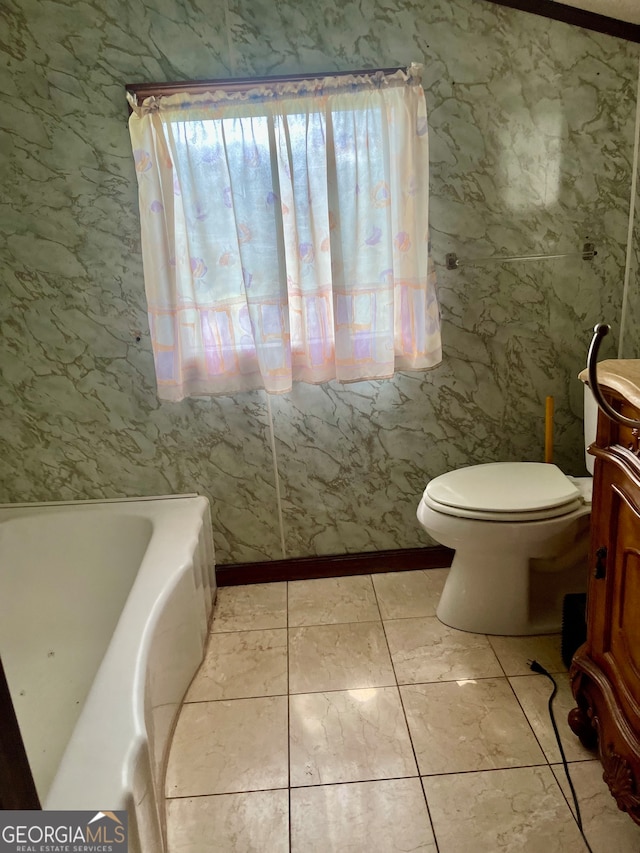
285,234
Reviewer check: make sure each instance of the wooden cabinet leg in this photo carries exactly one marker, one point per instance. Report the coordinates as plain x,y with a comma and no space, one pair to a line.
580,724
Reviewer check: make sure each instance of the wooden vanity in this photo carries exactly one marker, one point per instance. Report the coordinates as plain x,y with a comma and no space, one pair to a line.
605,673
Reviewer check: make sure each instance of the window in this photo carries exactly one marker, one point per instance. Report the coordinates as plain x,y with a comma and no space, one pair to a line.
285,233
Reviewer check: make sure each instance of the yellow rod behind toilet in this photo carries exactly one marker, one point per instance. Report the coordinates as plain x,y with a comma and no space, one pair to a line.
548,430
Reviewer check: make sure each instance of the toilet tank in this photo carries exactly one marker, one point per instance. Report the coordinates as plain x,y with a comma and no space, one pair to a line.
590,425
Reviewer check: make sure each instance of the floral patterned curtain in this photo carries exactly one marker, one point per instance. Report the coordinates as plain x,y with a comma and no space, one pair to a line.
285,234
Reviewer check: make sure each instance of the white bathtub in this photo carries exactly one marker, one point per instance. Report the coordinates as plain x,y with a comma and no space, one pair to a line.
104,607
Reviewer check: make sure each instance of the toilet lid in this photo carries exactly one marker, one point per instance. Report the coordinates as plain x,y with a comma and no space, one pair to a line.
504,487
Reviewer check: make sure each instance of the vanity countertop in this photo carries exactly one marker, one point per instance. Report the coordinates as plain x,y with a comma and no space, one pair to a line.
621,375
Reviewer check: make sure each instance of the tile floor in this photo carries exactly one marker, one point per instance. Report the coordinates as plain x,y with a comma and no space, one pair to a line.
341,715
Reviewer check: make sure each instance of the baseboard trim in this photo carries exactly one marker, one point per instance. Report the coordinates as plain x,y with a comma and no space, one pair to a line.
336,565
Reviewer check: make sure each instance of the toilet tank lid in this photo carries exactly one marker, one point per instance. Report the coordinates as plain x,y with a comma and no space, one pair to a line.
503,487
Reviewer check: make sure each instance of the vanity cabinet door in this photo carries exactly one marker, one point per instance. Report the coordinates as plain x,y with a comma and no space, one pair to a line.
605,672
615,597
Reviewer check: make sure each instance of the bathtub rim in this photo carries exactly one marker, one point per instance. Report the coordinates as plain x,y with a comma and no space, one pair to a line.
131,738
92,501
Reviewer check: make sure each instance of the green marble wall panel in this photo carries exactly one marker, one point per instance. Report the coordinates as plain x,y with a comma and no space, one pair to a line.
351,461
531,145
631,339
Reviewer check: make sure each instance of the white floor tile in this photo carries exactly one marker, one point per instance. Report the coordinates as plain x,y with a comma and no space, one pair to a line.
521,810
242,664
297,706
250,607
406,594
426,650
230,823
533,692
377,817
339,657
349,736
515,652
327,601
457,726
606,827
228,747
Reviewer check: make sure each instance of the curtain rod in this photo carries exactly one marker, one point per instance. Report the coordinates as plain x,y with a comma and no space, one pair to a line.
239,84
453,262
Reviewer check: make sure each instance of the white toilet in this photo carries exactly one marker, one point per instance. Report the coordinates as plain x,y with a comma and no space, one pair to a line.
520,531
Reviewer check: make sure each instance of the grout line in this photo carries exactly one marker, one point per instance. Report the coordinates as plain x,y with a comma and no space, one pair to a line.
549,763
235,699
521,706
485,770
406,721
224,794
246,631
488,639
371,780
336,624
395,683
328,624
355,782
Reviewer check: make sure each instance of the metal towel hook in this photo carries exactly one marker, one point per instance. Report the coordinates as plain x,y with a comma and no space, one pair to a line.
600,330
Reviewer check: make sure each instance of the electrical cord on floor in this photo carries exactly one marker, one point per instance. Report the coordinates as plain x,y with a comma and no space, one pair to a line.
536,667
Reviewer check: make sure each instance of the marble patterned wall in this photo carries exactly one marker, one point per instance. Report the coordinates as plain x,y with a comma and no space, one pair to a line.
631,310
531,126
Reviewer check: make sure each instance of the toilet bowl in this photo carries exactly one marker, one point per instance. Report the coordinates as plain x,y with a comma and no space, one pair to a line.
520,532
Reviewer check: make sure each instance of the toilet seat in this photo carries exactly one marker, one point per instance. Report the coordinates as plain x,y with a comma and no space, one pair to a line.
504,491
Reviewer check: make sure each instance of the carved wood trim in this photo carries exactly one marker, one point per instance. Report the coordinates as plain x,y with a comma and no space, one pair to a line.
619,776
634,445
598,720
581,719
623,458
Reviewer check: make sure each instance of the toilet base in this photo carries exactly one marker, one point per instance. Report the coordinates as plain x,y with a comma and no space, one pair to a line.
509,577
524,602
468,603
